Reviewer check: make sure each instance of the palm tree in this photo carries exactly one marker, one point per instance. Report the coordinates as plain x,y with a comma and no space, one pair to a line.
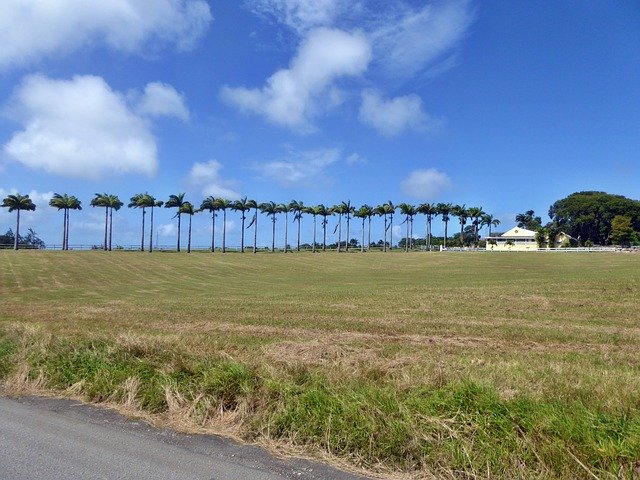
384,210
409,212
253,204
224,204
364,212
66,203
297,207
490,221
475,214
102,200
312,211
187,208
114,204
429,210
444,210
284,208
16,203
176,201
324,212
212,206
348,210
142,200
271,209
152,203
243,205
340,210
462,214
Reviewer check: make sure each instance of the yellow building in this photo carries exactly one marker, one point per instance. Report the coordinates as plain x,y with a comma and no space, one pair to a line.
517,240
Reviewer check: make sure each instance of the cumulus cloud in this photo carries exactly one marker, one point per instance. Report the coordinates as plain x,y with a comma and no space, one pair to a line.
162,100
82,128
426,184
291,97
35,29
207,176
299,168
391,117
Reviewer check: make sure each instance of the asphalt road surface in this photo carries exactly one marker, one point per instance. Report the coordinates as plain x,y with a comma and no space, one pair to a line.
47,439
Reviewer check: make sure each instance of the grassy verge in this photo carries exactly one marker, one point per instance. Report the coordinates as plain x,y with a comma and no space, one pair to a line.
410,365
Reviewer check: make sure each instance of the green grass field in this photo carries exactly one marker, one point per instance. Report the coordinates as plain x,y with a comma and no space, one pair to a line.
417,365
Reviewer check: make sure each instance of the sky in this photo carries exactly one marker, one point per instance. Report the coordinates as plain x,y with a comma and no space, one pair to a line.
508,106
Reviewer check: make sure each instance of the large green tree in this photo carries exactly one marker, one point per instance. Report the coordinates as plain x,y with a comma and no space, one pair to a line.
587,216
17,203
66,203
528,220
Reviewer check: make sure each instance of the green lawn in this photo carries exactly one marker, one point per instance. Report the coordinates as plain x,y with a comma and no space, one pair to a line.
493,365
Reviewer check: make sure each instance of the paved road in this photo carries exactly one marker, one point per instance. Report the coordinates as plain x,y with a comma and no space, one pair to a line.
50,439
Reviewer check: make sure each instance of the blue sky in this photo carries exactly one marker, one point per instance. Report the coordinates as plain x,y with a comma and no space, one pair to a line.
505,105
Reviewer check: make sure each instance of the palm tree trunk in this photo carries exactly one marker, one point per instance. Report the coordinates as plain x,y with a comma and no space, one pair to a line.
273,233
384,245
106,228
299,218
64,229
346,246
15,240
110,227
411,235
67,230
324,234
286,230
391,232
189,237
362,243
224,230
406,240
178,245
339,232
151,232
445,233
314,235
242,234
369,241
144,213
213,230
255,232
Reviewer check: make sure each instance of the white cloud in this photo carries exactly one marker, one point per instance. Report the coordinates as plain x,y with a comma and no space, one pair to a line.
167,230
355,159
40,199
300,168
207,176
301,15
82,128
162,100
426,184
291,97
409,40
35,29
391,117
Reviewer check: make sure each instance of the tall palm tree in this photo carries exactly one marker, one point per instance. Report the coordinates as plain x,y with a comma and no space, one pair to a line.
340,210
429,210
176,201
324,212
114,203
142,200
188,209
102,200
409,211
284,208
271,209
243,206
210,204
364,212
463,215
254,221
297,208
17,203
384,210
444,210
152,203
312,211
348,210
66,203
490,221
475,214
224,204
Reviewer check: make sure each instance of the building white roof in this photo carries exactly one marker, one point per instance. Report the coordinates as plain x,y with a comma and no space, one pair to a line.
516,232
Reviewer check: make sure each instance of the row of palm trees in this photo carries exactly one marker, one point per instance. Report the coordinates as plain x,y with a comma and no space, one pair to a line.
344,211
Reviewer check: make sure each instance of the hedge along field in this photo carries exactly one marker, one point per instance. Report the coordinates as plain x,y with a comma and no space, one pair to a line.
412,365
